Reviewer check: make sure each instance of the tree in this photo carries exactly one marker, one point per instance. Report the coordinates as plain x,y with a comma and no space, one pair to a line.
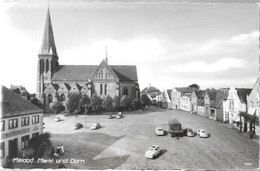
116,103
84,100
137,104
41,144
194,86
73,102
145,100
107,103
125,102
36,102
96,103
56,107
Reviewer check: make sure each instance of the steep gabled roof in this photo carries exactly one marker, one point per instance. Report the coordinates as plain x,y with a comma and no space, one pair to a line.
187,94
212,94
84,72
220,96
242,93
150,89
125,72
74,72
200,93
14,105
169,92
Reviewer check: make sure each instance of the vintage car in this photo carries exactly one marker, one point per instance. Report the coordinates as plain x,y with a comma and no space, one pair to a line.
202,133
152,152
159,131
95,126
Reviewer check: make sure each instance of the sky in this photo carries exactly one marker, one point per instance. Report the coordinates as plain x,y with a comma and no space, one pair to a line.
172,44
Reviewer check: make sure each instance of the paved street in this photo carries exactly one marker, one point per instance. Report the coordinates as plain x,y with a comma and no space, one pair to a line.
121,143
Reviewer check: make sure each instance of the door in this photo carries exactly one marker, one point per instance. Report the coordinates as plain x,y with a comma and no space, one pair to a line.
13,148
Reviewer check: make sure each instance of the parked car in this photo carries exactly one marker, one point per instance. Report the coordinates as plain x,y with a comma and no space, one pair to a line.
119,115
202,133
152,152
57,119
78,126
159,131
189,132
95,126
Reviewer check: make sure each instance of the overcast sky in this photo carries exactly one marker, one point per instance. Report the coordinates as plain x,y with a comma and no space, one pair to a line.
172,44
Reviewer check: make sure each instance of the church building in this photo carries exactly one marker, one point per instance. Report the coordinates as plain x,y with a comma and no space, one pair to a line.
55,81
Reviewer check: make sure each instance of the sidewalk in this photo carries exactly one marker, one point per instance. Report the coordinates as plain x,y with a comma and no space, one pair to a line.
246,134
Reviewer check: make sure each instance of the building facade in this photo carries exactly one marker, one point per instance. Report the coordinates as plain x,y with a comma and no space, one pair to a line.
216,108
176,95
186,102
197,99
166,100
235,104
250,119
209,98
20,121
55,81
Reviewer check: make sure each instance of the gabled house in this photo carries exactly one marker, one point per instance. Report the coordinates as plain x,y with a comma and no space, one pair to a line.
176,95
166,100
216,108
153,93
209,98
197,99
20,121
250,119
186,102
235,104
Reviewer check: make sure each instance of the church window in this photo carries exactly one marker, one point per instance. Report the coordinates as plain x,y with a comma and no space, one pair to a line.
125,91
47,65
101,89
97,75
110,76
106,75
50,98
62,98
105,89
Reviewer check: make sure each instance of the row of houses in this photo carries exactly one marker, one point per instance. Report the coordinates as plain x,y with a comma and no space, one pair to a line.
238,106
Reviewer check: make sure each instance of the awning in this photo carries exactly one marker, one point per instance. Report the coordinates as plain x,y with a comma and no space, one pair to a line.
251,111
236,118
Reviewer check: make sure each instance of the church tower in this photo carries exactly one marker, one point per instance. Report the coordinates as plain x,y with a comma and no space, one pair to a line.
48,59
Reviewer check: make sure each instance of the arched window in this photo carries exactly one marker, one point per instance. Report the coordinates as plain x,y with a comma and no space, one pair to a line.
50,98
125,91
105,89
62,98
47,65
101,89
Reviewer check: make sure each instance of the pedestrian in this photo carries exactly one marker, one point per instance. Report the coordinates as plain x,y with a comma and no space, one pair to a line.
58,149
52,151
61,148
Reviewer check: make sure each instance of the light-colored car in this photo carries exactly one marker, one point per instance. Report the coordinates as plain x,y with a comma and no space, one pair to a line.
202,133
95,126
190,133
152,152
159,131
57,119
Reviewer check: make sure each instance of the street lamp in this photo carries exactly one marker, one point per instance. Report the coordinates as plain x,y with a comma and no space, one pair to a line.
86,115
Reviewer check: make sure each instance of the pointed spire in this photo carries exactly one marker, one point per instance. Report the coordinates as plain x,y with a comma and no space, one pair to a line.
106,53
48,43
